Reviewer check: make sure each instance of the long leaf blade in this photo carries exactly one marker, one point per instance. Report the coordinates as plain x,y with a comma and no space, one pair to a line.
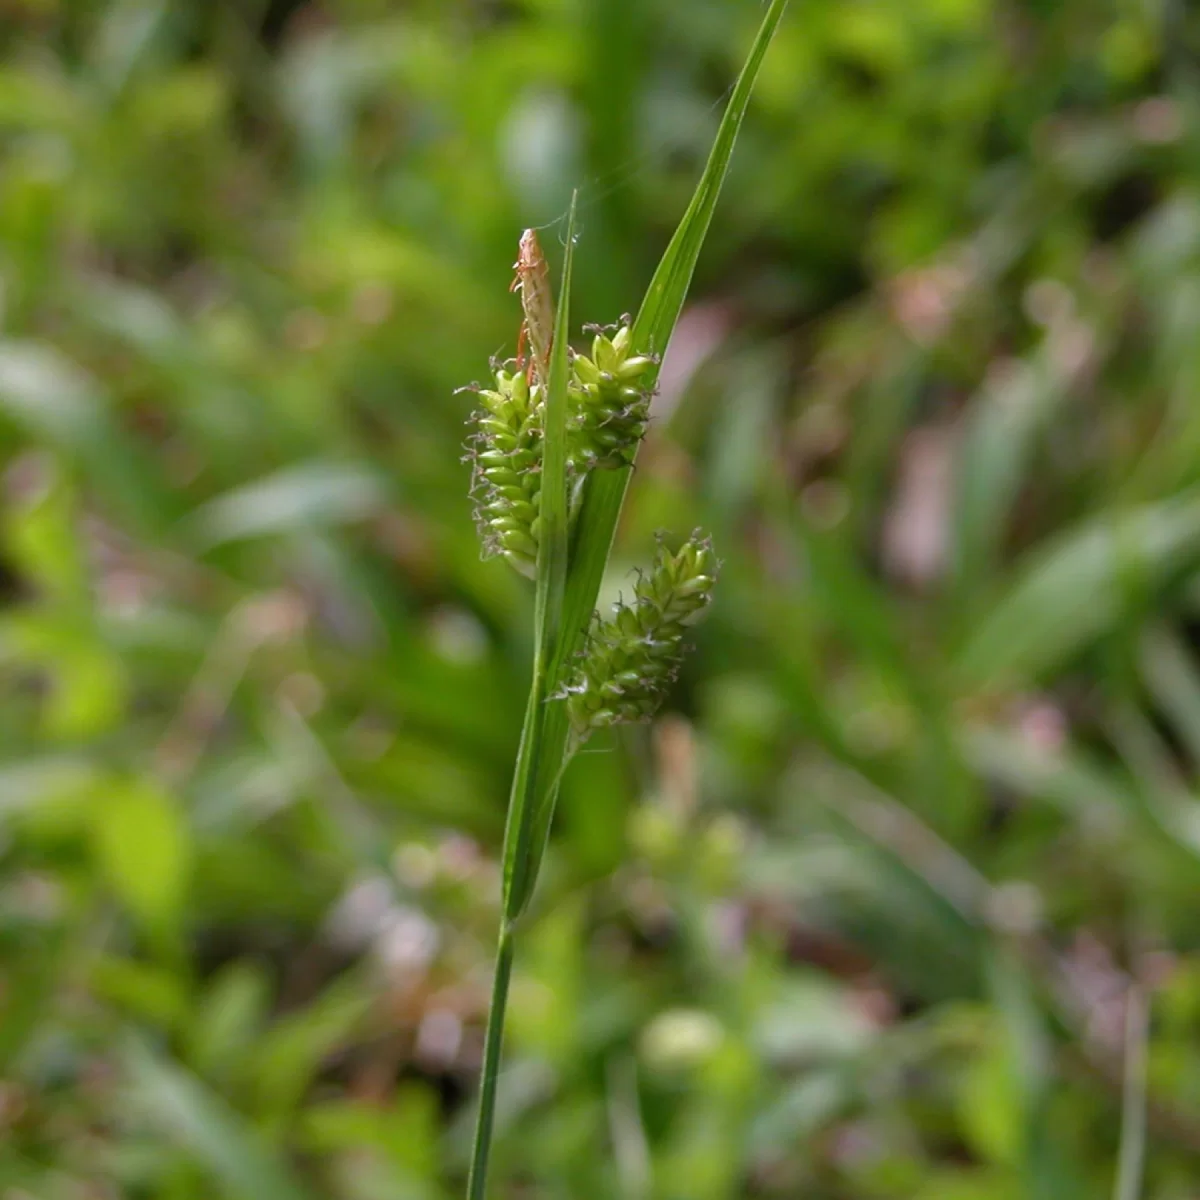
209,1129
1079,588
605,490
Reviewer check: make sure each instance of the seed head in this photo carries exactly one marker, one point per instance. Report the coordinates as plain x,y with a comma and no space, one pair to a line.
506,455
608,401
632,657
610,393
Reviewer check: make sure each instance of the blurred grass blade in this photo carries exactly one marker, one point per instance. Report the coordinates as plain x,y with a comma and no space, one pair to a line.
522,851
55,403
1169,670
916,905
1080,588
1132,1154
1028,1053
298,498
1003,431
1107,800
604,492
209,1129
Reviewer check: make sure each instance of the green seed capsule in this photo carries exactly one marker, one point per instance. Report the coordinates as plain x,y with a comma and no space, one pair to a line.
519,541
585,370
634,368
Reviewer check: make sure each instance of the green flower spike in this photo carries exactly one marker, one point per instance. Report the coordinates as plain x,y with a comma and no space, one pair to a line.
506,456
608,397
632,658
610,400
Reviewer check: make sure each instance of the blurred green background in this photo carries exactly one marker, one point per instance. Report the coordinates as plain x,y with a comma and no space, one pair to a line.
907,874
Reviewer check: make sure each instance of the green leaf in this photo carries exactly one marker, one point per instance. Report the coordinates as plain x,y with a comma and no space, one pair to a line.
406,1131
1003,430
143,848
552,553
307,496
1172,678
152,994
55,403
668,290
44,540
288,1057
911,901
1028,1054
51,398
212,1131
1082,787
228,1017
1079,588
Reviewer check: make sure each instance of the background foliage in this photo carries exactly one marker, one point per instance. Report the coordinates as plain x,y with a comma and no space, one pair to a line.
878,908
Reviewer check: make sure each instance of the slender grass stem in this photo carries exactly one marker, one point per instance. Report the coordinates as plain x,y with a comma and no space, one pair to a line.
480,1151
1132,1154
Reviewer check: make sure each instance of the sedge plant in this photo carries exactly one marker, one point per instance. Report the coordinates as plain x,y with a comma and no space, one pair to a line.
555,439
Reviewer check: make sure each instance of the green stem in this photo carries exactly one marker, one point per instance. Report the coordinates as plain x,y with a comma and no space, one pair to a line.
477,1181
516,838
520,865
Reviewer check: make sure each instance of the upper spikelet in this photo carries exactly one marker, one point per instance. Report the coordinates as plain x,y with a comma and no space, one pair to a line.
609,400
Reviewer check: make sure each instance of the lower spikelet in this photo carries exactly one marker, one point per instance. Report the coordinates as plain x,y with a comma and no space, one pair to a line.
632,657
506,456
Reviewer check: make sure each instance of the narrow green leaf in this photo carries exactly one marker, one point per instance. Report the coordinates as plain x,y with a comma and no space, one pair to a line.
53,401
604,491
1131,1157
1029,1052
1003,430
668,289
209,1129
143,847
1079,588
302,497
1110,802
914,903
1169,668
